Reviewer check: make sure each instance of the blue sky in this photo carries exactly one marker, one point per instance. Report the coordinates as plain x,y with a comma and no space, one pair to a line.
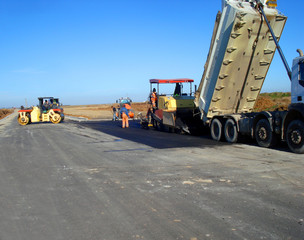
96,51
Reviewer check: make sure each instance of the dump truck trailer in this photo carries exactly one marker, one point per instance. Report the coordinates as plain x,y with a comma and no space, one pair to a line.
244,40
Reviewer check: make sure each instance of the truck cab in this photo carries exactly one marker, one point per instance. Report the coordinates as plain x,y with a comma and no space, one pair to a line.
297,79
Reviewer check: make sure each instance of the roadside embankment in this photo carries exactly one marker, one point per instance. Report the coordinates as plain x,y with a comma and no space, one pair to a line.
5,112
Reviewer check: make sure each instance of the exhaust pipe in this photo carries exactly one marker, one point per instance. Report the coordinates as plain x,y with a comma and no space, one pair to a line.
300,52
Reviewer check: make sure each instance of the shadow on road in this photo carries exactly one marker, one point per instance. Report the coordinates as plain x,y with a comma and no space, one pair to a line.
151,137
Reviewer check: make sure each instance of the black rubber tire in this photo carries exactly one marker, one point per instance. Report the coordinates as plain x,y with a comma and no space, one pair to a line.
216,129
295,136
230,130
264,135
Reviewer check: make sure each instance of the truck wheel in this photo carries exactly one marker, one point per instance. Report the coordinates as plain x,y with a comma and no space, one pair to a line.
216,129
295,136
23,120
263,134
230,130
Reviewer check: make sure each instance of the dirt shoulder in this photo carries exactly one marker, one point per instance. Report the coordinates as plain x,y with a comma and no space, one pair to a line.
100,111
272,101
5,112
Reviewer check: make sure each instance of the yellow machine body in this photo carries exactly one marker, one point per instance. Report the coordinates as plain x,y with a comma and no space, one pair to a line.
35,115
174,103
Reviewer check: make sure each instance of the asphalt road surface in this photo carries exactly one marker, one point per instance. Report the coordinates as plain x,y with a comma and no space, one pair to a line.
95,180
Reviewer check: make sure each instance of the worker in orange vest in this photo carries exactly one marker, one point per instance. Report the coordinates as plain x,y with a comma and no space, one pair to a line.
153,99
124,112
130,111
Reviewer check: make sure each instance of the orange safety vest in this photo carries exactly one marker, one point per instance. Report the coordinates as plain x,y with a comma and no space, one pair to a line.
153,97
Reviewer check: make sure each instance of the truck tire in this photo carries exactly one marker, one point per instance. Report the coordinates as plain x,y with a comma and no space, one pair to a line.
230,131
216,129
295,136
264,135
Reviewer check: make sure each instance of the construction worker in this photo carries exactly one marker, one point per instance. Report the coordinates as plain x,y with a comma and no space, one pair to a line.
148,116
153,99
177,91
127,106
124,112
45,106
55,103
114,109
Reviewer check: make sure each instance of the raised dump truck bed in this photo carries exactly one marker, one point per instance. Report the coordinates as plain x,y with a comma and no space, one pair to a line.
240,54
243,44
